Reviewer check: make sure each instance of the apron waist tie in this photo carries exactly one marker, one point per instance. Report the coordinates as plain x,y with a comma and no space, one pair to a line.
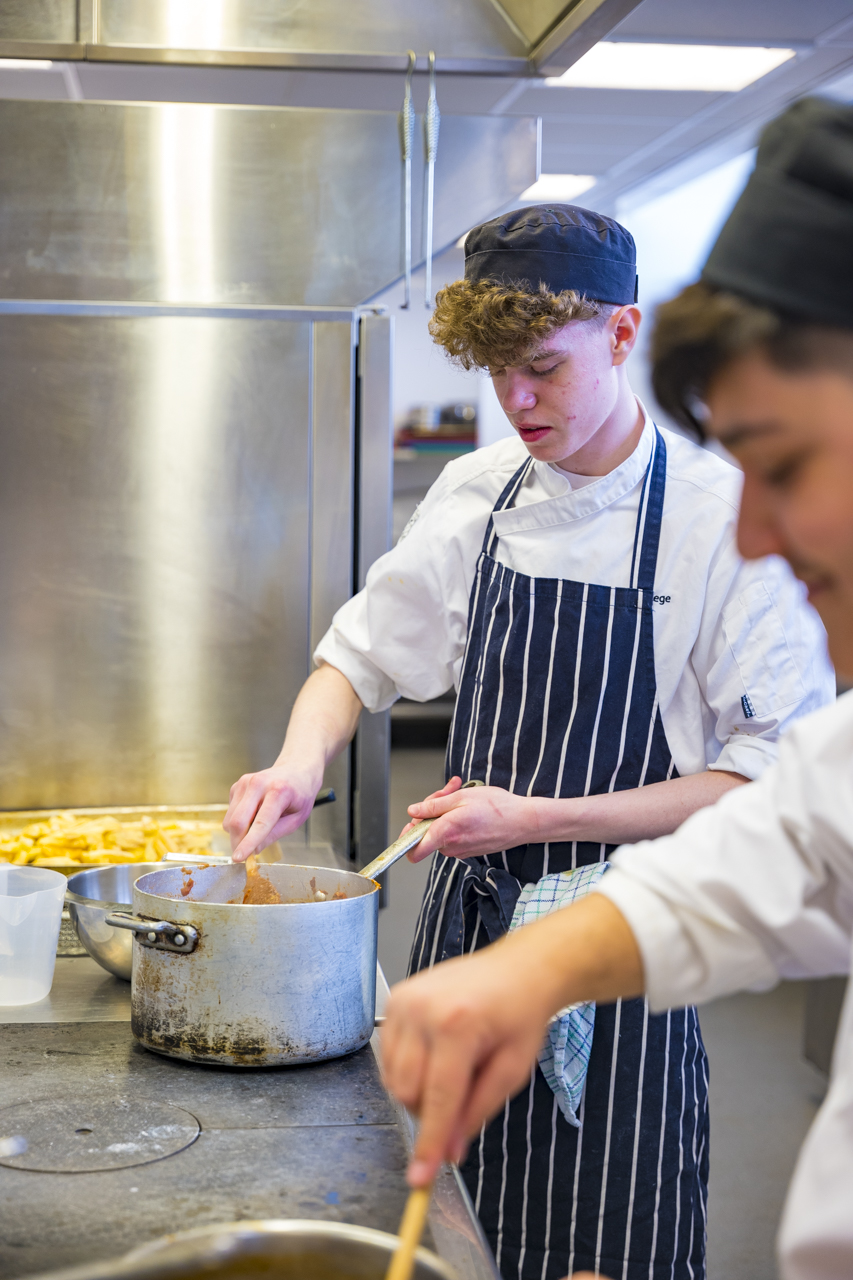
489,891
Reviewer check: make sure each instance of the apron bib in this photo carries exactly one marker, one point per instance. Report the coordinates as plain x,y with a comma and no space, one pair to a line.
558,697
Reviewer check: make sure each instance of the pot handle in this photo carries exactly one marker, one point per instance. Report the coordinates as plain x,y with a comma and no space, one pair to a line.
403,844
159,935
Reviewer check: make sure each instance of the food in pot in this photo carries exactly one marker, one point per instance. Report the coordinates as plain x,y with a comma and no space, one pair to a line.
68,837
258,892
320,895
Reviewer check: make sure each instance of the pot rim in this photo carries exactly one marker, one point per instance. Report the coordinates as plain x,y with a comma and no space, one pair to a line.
175,1250
254,906
163,1246
81,900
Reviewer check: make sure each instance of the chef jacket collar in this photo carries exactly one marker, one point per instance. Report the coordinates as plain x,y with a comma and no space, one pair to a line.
569,504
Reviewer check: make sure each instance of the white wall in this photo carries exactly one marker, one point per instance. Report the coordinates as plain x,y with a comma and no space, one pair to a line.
422,372
674,234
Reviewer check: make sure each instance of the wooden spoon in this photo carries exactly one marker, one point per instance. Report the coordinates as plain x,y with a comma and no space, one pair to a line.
411,1229
258,892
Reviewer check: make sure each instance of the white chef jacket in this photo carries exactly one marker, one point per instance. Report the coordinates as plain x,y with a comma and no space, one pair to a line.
724,628
757,888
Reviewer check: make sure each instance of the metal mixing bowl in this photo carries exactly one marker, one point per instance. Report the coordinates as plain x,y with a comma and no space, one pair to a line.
282,1250
91,895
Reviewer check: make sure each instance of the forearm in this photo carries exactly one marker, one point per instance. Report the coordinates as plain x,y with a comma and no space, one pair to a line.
487,819
587,952
270,804
624,817
322,722
461,1037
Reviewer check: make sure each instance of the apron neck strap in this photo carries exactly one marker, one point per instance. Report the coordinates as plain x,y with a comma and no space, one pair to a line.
644,557
505,500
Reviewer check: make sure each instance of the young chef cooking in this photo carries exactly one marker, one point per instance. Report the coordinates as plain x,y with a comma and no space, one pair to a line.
761,886
618,667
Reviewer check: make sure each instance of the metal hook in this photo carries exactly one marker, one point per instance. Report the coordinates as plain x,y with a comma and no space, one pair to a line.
432,123
407,136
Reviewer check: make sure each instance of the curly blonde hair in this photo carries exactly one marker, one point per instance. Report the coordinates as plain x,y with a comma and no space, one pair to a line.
484,324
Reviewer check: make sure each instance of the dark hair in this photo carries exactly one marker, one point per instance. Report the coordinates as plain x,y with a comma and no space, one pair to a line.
698,332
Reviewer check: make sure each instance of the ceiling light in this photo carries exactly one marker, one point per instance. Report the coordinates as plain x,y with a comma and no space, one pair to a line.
707,67
561,187
25,64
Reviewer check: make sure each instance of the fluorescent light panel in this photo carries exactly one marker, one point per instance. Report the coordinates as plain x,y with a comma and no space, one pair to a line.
25,64
561,187
557,188
706,67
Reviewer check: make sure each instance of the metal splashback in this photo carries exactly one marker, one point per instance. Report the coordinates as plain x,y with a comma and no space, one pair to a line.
512,37
186,203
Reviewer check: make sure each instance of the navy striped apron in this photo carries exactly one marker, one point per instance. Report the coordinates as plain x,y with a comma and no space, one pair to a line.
558,697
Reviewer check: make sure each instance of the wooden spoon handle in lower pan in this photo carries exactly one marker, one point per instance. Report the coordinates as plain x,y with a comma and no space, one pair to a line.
411,1230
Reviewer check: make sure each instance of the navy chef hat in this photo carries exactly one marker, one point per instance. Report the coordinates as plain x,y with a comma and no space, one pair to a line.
559,245
788,242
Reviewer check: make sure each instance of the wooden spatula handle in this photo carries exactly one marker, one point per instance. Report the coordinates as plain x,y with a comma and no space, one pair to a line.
411,1230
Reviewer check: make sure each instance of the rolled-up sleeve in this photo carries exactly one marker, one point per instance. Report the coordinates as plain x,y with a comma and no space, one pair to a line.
757,888
764,661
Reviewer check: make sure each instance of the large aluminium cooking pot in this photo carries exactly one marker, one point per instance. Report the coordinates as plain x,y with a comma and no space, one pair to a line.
256,986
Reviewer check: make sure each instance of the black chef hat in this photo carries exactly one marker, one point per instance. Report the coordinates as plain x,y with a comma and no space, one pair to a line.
788,242
559,245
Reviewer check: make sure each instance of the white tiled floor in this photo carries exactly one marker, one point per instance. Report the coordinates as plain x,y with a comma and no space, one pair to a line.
763,1095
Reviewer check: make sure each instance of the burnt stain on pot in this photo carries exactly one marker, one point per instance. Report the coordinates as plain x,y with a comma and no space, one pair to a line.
162,1023
179,1038
195,1044
174,1034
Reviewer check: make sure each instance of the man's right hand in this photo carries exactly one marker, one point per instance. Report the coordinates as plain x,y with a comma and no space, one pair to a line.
267,805
460,1038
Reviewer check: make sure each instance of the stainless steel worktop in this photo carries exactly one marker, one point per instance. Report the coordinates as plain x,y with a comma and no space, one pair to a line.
321,1141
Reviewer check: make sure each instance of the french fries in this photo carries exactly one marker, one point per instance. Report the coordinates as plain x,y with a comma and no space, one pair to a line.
68,837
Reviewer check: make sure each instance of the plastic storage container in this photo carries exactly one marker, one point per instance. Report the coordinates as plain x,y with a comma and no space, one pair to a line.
31,901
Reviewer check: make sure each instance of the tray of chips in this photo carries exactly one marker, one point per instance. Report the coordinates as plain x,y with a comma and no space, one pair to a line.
69,839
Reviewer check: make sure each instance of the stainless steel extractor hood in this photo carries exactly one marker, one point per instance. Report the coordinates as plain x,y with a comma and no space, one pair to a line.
498,37
191,203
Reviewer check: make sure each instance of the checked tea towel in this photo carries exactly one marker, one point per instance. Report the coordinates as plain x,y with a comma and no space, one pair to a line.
564,1057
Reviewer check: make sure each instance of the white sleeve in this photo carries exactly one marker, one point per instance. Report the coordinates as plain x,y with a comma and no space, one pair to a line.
761,659
404,633
758,887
